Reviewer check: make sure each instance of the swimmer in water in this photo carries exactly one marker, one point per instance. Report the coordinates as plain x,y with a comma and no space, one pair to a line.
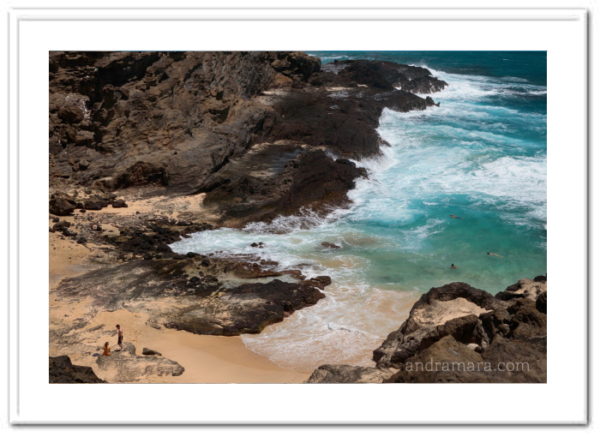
494,254
454,216
453,267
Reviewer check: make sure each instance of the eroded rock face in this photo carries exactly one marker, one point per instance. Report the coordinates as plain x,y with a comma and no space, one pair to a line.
126,366
62,371
457,333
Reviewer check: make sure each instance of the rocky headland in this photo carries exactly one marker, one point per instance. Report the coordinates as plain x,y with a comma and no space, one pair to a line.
148,147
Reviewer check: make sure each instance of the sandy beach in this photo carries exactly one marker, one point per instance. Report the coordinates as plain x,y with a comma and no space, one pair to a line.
206,358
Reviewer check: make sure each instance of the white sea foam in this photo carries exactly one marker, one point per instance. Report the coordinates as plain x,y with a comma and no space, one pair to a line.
458,148
473,87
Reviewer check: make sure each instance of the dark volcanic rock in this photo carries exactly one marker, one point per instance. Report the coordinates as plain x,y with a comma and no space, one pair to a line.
113,286
457,333
96,202
147,351
61,204
388,75
142,173
244,189
164,118
246,309
430,319
119,203
541,302
174,121
62,371
203,305
344,122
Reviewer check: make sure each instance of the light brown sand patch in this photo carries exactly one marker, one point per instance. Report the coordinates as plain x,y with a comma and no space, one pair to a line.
68,258
206,359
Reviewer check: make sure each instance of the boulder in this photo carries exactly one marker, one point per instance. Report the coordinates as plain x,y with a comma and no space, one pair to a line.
119,203
61,204
62,371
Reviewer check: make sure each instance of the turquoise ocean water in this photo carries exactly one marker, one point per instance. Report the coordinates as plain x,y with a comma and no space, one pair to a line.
457,181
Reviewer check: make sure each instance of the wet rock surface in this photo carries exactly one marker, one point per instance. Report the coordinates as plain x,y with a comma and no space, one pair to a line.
457,333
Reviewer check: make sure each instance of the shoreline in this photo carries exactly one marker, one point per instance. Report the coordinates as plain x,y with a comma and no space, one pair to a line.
206,358
166,150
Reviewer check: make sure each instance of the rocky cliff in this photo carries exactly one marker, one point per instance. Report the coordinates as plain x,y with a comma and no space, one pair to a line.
146,147
263,133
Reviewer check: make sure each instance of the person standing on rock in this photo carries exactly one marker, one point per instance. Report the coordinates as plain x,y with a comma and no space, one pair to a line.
120,337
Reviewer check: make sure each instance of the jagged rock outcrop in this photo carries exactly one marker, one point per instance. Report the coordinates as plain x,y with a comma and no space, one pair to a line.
184,122
62,371
387,75
457,333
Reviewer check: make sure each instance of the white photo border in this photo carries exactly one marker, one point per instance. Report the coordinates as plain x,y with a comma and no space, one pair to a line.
563,400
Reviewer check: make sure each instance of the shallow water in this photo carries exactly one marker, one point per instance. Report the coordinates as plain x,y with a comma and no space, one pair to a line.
457,181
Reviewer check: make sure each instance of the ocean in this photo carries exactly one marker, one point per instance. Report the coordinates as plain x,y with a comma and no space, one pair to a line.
457,182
